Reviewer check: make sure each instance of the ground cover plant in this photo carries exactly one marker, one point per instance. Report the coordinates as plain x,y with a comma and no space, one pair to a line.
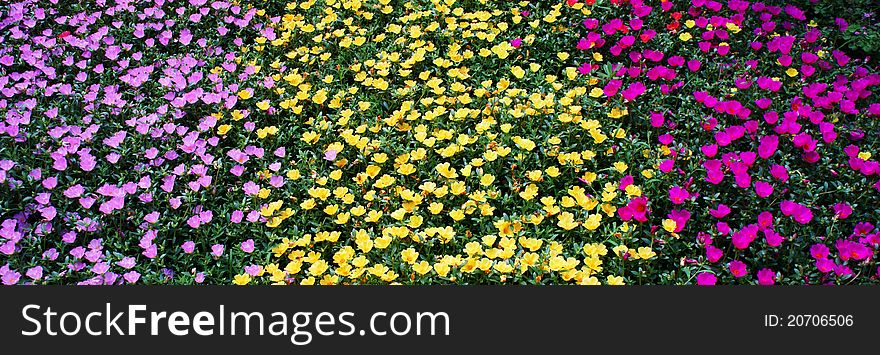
437,142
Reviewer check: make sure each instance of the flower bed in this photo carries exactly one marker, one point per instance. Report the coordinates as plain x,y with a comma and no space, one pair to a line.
434,142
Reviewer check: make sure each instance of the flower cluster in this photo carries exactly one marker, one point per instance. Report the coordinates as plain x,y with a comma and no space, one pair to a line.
437,141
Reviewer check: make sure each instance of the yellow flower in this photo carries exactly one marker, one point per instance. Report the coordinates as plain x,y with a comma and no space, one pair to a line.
241,279
645,253
245,94
382,242
409,255
566,221
669,225
615,280
441,269
530,192
517,71
422,267
684,36
263,105
223,129
792,72
593,221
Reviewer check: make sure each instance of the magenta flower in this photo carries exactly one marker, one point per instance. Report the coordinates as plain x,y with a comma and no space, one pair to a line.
516,42
720,211
766,277
768,146
678,195
763,189
800,213
842,210
706,279
738,268
825,265
713,254
819,251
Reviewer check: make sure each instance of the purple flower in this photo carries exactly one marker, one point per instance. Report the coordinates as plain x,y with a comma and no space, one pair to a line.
247,246
217,250
131,276
253,270
10,277
236,217
188,246
35,273
126,262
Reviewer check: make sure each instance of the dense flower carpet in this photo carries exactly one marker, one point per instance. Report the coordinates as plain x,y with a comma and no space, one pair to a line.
434,142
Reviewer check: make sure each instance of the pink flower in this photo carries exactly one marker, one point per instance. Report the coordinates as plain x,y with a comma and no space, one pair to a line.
766,277
217,250
713,254
678,195
74,191
825,265
247,246
681,217
720,211
773,239
819,251
188,246
35,273
516,42
151,251
194,222
152,217
763,189
131,276
768,146
236,217
842,210
706,279
738,268
330,155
